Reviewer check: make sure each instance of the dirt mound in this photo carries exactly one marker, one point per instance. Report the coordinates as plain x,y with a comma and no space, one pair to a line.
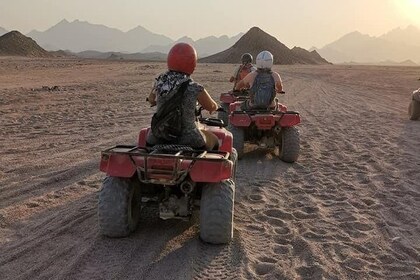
255,41
15,43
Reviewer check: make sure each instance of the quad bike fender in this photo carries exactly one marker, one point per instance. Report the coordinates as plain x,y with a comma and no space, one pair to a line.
240,120
117,165
225,138
289,119
212,172
227,97
143,136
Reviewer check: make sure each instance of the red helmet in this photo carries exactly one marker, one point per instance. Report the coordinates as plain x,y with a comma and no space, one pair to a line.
182,58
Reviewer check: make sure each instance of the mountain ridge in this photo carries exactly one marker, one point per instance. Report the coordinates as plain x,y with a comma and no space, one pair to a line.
78,36
205,46
81,35
3,31
397,45
255,41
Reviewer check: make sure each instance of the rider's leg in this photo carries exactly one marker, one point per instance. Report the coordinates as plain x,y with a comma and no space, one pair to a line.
151,140
212,142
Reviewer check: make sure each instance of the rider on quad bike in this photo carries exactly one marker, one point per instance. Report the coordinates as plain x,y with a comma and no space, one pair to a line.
260,119
242,70
414,106
181,163
263,84
182,59
239,73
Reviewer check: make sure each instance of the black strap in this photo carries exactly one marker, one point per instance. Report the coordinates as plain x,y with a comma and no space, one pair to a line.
180,92
176,97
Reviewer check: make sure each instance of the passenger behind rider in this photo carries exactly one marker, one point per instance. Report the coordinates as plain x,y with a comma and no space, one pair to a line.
263,84
242,70
181,61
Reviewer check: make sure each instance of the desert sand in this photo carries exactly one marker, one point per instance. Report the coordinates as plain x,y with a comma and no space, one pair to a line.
349,208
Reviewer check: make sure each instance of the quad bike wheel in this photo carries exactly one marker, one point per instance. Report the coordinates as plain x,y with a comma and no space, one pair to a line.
290,144
238,135
118,207
216,212
224,115
414,110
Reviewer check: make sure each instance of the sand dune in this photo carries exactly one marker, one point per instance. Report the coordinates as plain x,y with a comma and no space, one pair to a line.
348,209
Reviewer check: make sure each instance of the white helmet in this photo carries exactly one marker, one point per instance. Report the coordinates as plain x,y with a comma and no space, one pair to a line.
265,60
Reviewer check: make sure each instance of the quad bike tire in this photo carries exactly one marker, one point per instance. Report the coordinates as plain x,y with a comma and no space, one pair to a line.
216,212
118,207
238,135
289,148
224,116
414,110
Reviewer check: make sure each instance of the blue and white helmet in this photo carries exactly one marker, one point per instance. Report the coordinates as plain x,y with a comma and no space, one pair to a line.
265,60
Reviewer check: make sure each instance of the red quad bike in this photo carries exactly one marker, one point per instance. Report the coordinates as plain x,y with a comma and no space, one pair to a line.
226,99
177,178
268,128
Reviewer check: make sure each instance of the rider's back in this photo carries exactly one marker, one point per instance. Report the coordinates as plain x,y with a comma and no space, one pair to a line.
263,89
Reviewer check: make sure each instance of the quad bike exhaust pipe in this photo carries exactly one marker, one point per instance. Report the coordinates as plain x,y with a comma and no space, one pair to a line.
187,186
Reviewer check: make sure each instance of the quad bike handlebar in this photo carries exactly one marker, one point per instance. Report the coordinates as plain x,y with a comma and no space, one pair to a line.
210,121
241,92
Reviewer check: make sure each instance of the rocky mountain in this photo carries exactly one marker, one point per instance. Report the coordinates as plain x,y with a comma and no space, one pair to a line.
78,36
212,44
2,31
205,46
397,45
255,41
16,44
409,36
166,48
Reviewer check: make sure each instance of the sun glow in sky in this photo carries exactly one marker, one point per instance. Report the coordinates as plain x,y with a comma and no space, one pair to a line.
410,9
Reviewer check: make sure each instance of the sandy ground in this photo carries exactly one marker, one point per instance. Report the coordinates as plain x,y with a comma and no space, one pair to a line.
348,209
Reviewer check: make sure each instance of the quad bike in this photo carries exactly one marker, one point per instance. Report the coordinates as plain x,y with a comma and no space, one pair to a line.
177,178
414,106
268,128
226,99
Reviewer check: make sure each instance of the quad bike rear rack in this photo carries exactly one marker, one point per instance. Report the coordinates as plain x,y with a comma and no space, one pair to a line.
264,119
169,168
262,111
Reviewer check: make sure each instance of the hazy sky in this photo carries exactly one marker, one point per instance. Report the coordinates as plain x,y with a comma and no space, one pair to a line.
304,23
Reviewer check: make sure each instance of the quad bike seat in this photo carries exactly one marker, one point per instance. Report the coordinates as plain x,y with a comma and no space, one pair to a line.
212,122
